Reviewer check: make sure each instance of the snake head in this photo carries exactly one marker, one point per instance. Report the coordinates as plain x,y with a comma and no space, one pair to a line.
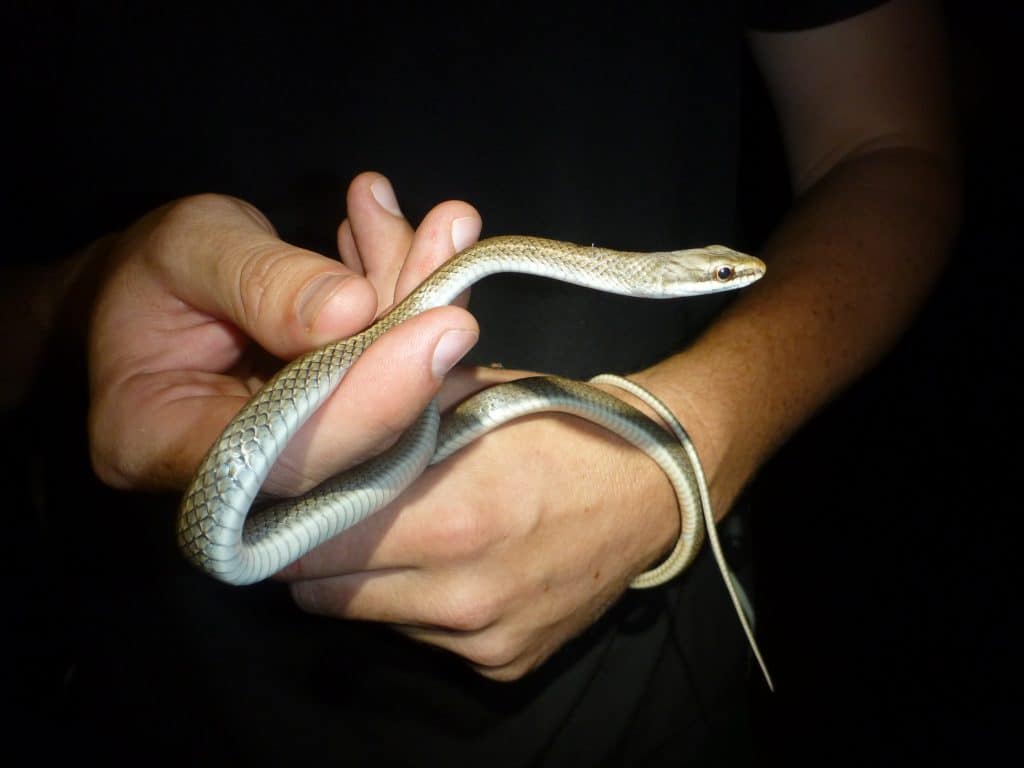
712,269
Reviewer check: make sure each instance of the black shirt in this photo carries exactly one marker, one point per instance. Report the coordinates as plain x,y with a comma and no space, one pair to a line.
599,124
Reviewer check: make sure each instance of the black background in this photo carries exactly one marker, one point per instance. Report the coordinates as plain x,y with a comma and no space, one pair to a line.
887,572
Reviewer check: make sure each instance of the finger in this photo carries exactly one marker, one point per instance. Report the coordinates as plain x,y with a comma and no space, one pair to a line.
437,603
447,229
465,381
159,397
447,611
380,233
382,394
152,430
394,258
217,256
185,411
348,250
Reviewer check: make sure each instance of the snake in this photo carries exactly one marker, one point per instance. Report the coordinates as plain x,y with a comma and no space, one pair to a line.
218,531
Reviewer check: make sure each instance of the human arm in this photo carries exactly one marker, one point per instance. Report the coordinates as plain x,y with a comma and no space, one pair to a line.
868,132
525,539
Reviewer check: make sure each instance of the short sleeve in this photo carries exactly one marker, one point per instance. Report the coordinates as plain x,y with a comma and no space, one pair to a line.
791,15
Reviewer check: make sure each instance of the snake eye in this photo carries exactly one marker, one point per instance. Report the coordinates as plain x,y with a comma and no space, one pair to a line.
724,273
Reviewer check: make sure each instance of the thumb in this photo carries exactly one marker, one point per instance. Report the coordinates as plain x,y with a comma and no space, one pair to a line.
286,298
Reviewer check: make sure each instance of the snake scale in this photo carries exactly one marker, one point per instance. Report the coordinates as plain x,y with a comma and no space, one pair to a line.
216,531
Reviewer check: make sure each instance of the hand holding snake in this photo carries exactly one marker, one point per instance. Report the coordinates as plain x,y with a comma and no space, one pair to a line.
479,599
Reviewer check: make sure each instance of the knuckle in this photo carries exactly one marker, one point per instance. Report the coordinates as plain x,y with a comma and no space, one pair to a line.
253,213
185,210
469,609
461,532
263,271
506,674
494,654
324,597
163,230
110,462
108,468
168,224
182,214
309,596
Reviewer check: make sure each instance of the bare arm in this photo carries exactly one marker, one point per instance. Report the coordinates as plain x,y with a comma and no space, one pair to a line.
869,141
473,557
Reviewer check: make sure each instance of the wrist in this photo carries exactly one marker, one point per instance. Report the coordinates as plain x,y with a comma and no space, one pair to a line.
608,471
698,394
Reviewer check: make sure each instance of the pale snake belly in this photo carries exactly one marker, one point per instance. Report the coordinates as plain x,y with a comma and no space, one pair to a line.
217,533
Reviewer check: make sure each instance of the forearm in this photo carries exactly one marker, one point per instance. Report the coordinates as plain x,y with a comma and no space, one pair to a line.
847,268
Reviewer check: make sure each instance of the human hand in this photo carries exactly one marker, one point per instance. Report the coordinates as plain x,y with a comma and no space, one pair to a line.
508,549
199,303
505,551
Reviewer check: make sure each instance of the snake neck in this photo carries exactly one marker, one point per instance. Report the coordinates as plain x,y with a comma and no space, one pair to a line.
654,275
588,266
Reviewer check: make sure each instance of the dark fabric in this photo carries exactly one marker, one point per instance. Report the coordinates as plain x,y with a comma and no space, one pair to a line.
603,125
792,15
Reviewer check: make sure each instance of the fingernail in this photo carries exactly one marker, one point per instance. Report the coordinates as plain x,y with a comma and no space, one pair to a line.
385,196
316,295
451,347
464,232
